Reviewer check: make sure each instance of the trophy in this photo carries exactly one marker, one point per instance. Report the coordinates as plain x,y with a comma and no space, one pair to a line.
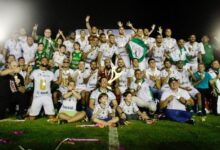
115,74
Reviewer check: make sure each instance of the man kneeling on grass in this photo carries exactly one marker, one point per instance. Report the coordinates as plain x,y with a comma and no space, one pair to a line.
175,100
68,111
103,114
128,110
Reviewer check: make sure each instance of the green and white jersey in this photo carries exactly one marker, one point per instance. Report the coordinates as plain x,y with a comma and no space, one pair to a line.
76,57
39,56
102,112
193,50
169,43
179,53
92,55
107,52
129,109
49,45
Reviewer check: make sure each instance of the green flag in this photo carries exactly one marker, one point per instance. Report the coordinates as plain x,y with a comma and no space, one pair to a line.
137,49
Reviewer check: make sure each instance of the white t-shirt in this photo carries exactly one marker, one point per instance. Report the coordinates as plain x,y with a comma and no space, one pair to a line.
69,104
164,74
107,51
149,41
169,43
175,104
58,58
93,80
80,79
14,48
129,109
92,55
158,53
183,77
42,80
95,94
104,111
212,73
121,42
69,45
123,79
179,54
29,51
83,43
65,75
194,49
143,90
150,72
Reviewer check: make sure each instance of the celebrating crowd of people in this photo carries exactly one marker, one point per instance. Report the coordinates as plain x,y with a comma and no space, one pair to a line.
108,78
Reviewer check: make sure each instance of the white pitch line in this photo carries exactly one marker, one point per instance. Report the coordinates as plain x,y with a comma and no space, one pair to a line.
113,139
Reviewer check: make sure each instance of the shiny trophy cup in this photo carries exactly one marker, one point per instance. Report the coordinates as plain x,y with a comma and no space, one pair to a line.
115,74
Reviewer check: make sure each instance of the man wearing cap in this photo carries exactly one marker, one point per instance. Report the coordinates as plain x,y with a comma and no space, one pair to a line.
175,100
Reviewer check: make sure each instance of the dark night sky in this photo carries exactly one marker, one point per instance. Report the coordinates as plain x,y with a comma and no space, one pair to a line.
183,16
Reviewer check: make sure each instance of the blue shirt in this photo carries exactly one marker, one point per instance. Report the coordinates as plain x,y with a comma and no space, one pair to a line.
204,84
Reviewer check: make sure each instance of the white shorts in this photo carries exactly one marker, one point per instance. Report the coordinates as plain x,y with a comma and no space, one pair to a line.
38,102
193,92
151,105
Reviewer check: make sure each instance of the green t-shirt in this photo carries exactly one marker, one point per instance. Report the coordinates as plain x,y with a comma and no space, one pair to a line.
48,46
209,54
38,57
76,57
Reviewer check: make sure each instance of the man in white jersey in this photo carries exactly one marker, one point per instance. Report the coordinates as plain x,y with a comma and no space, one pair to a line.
183,76
92,79
153,78
107,51
90,53
166,73
147,39
124,81
83,41
103,83
142,93
195,50
69,43
158,52
29,48
121,41
92,30
42,91
180,53
63,76
59,56
169,42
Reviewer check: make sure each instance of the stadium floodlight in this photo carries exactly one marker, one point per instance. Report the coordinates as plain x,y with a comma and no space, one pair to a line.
13,15
3,33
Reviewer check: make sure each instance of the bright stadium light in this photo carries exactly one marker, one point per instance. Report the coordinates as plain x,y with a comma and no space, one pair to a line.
3,33
13,15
